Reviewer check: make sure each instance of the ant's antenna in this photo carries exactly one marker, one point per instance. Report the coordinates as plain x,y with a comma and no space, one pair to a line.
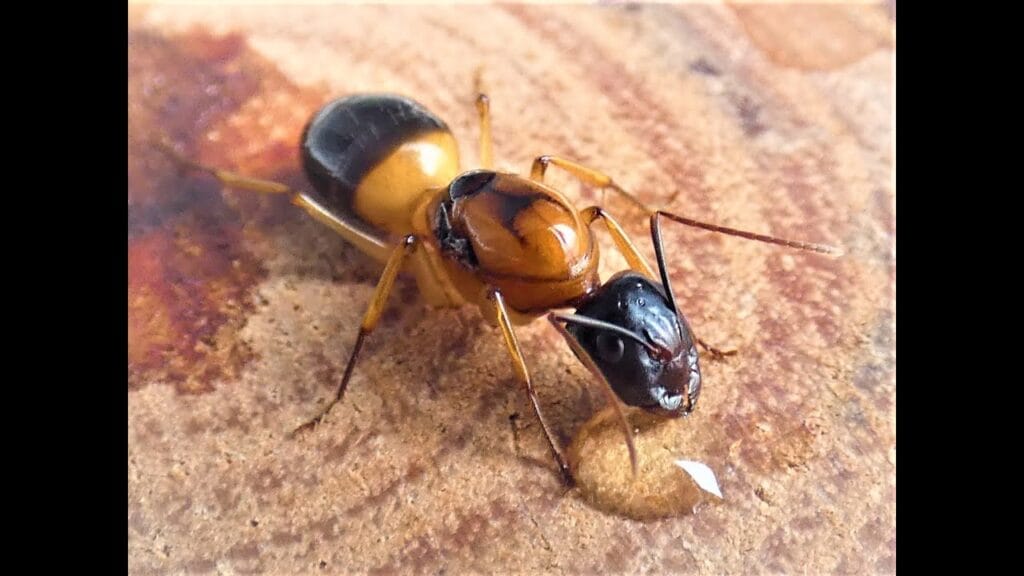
584,357
819,248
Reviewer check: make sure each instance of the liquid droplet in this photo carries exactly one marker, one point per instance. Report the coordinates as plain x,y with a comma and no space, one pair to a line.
661,489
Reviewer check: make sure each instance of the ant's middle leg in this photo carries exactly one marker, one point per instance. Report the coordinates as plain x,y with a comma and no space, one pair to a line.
583,173
370,320
483,108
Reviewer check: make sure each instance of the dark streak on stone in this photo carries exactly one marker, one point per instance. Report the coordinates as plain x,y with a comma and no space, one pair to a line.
618,558
200,566
191,278
227,498
137,523
174,516
471,528
265,481
749,113
236,421
325,528
283,538
679,560
702,66
325,374
246,558
373,501
337,452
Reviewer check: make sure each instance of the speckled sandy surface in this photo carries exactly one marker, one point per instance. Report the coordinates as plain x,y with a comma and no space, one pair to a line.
242,310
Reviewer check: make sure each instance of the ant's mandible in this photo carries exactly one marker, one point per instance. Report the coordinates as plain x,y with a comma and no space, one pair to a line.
386,177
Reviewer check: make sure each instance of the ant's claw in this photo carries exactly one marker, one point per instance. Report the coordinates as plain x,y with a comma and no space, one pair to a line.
567,480
716,354
721,354
306,427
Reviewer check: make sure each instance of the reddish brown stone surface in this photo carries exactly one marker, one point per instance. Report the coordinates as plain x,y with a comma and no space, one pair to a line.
241,311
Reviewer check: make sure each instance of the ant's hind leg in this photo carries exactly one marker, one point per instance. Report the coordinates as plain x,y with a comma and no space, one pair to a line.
512,343
483,108
373,246
229,179
370,320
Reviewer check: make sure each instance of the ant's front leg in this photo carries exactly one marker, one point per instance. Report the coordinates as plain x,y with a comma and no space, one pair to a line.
519,362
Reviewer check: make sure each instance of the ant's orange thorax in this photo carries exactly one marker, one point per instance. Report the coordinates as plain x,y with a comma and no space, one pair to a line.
518,236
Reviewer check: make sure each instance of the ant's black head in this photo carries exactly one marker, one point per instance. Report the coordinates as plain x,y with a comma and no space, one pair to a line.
647,354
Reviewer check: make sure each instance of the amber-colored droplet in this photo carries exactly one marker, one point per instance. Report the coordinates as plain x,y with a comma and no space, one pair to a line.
661,489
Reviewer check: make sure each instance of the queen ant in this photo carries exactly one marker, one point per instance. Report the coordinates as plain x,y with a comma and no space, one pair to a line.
386,176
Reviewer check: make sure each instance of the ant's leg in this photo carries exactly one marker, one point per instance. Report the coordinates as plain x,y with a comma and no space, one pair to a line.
622,241
483,108
376,247
524,375
370,319
715,352
588,175
612,398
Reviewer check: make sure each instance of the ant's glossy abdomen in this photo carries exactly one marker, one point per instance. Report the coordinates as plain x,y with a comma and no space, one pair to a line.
372,157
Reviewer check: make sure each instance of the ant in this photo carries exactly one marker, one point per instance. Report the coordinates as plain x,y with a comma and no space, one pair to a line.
386,176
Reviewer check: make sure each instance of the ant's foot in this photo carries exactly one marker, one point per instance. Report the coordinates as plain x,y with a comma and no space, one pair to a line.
716,354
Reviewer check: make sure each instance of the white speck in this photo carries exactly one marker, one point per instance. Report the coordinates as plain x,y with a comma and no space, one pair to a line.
702,475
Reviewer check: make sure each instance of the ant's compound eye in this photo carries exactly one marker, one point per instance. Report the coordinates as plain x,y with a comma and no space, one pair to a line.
610,347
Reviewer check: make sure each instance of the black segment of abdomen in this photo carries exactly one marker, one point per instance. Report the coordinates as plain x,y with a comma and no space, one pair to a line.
349,136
